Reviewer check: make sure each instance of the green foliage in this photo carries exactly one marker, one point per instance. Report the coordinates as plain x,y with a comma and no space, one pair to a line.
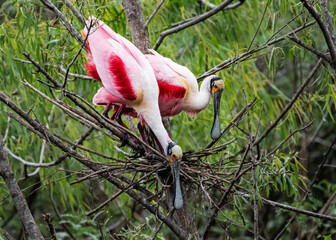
272,75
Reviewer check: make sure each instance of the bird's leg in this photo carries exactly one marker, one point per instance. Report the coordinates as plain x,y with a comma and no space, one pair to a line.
143,135
106,110
158,143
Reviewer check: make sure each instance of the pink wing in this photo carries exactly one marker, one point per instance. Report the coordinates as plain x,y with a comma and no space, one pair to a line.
104,97
171,84
119,71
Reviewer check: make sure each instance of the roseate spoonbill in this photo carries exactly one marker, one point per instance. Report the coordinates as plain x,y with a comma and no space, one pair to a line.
178,91
128,80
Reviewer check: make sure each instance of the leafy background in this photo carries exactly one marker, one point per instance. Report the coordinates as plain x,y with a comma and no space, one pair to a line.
271,75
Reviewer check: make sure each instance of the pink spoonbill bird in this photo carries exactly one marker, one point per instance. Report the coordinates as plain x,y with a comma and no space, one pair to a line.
128,80
178,90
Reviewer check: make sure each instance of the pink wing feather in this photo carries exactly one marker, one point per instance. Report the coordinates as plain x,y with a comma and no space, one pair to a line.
109,57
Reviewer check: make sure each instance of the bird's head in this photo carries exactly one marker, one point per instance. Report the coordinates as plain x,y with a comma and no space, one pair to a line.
174,152
216,85
216,89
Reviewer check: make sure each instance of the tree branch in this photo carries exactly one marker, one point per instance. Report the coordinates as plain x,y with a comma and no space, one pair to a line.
324,28
20,203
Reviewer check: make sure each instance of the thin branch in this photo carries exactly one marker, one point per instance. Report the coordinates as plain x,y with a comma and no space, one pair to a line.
75,12
293,209
323,162
191,23
76,56
261,20
154,12
251,139
7,129
288,137
64,21
309,48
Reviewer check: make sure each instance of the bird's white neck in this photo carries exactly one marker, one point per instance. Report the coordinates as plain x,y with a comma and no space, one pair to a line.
198,100
153,119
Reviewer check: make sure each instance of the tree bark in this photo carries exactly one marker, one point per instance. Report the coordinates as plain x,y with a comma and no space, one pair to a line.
19,201
137,25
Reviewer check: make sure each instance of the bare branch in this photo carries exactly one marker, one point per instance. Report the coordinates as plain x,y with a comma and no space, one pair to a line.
75,12
154,12
288,137
309,48
294,209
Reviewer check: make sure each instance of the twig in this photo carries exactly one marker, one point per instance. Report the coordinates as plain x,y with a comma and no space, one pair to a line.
294,209
288,137
76,56
154,12
49,220
7,129
191,23
114,196
261,20
75,12
309,48
323,162
63,19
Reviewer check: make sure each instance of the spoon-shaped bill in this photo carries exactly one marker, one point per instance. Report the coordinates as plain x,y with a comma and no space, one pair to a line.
178,199
216,131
